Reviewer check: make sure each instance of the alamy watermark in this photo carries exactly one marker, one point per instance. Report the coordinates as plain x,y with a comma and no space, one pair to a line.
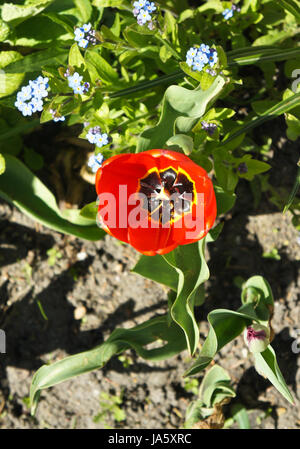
177,211
296,343
2,342
296,82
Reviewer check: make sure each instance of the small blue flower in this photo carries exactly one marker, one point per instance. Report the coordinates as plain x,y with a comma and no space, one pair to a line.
79,89
26,93
85,35
212,57
95,162
227,13
150,6
86,27
201,57
79,34
83,43
101,140
74,80
204,48
36,104
197,65
27,109
192,52
143,17
139,5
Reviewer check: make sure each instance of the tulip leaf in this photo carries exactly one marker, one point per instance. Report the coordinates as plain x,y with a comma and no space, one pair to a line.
19,186
120,340
181,109
157,269
267,366
189,262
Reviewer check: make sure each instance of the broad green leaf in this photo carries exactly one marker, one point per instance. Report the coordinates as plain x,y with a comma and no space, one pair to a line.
85,9
225,326
19,186
36,61
16,14
9,82
157,269
105,71
180,111
267,366
182,141
225,200
254,167
189,262
120,340
62,20
75,57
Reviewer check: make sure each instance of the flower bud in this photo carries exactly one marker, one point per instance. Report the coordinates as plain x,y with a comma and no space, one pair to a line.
257,337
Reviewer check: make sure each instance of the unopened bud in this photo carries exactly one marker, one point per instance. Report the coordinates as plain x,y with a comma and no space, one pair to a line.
257,337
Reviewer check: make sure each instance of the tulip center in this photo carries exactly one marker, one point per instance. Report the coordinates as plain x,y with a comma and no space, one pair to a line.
168,194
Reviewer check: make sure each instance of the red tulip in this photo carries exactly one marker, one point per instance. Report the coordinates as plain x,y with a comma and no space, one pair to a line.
155,200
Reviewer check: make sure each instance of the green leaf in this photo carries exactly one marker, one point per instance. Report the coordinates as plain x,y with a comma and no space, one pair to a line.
4,30
89,211
16,14
182,141
225,325
267,366
85,9
75,57
157,269
189,262
254,167
9,82
2,165
105,71
292,6
180,111
225,200
19,186
215,386
294,190
62,20
120,340
37,60
240,415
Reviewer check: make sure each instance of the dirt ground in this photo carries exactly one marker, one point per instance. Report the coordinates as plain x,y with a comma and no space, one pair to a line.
50,308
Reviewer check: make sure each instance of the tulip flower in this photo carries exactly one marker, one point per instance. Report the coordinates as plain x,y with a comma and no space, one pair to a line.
257,337
155,200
